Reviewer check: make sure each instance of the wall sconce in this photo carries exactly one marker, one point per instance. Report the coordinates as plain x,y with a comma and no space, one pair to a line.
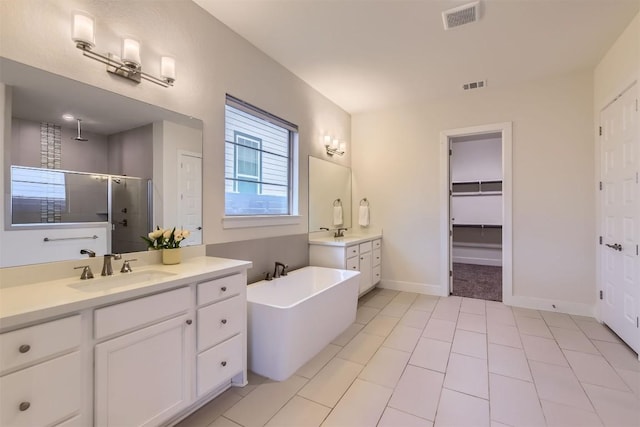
334,146
128,64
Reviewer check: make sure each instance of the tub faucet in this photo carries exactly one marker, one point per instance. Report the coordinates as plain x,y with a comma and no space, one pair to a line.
107,270
280,270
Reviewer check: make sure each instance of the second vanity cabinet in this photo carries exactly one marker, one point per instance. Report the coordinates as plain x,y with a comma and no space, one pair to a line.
360,254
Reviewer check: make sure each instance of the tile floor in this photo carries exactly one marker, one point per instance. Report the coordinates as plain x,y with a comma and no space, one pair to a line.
414,360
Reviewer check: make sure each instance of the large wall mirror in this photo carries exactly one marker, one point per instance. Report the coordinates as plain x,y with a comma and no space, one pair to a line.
329,195
90,169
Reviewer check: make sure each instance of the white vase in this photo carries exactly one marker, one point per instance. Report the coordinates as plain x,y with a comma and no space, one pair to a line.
171,256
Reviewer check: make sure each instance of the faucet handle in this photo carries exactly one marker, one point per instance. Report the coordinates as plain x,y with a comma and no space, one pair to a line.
116,256
126,267
86,272
284,270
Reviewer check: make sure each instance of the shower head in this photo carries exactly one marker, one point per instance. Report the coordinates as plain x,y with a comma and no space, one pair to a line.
79,136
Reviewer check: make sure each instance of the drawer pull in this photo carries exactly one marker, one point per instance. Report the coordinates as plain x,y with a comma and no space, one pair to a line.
189,321
223,321
223,363
223,289
24,406
24,348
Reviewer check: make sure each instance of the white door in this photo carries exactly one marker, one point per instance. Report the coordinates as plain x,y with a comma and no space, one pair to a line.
190,196
620,228
144,377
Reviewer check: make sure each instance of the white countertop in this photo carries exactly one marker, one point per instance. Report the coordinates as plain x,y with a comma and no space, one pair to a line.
37,301
349,239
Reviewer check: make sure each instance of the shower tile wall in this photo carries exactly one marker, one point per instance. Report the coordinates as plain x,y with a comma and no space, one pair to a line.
50,157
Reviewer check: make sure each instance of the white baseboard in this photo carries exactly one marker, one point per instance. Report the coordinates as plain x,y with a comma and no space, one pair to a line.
419,288
478,261
568,307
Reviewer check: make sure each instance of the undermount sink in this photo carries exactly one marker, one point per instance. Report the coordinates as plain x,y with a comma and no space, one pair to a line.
119,280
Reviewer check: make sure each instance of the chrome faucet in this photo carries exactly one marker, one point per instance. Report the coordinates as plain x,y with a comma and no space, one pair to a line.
89,252
280,270
340,232
107,270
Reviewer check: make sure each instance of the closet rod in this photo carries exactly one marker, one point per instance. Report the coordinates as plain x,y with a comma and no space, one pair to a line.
478,225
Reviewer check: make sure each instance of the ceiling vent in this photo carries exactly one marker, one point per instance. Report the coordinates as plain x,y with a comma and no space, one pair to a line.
474,85
461,15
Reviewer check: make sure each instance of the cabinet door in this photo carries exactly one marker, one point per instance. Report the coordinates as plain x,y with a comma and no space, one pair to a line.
365,272
144,377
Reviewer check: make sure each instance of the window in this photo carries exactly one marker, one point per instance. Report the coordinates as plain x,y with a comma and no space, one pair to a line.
258,161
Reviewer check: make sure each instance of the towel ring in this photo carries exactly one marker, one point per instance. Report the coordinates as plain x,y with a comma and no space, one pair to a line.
364,202
337,202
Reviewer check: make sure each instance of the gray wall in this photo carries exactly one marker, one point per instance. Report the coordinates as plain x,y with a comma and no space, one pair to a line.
263,253
131,152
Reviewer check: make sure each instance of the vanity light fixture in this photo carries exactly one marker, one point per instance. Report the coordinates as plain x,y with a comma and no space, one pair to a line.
334,146
128,65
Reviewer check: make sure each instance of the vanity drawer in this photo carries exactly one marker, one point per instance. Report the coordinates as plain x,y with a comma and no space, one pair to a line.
139,312
377,244
352,251
376,257
42,394
365,247
353,264
27,345
219,321
217,289
219,364
376,275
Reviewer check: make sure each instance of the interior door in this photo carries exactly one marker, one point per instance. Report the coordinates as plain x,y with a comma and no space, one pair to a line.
620,305
190,196
451,219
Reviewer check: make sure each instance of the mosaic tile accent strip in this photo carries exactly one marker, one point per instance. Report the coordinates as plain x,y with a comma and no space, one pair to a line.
50,158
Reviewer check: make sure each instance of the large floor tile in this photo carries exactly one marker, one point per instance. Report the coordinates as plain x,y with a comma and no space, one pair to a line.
405,298
631,378
328,386
615,408
445,311
395,309
387,292
264,402
559,415
403,338
381,325
212,410
473,306
415,319
378,301
348,334
619,355
502,315
424,303
559,320
508,361
365,314
418,392
361,348
394,418
573,340
520,312
385,367
253,381
543,350
594,369
472,322
299,412
361,406
468,375
431,354
597,331
514,402
439,329
533,326
313,366
470,343
461,410
558,384
223,422
498,333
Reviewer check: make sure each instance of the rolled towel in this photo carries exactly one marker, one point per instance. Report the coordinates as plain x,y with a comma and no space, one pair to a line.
363,216
337,215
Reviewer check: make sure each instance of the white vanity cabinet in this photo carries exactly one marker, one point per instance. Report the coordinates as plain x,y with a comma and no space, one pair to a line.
144,377
41,382
349,253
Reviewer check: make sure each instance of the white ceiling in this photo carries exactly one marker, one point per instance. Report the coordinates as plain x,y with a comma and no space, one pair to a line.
370,54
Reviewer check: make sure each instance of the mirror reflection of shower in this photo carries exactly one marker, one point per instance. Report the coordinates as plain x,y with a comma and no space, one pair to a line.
131,212
79,137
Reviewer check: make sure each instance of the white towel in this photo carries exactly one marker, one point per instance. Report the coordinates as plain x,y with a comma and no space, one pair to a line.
337,215
363,216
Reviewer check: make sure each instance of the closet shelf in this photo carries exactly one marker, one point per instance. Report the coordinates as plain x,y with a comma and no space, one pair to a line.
478,225
476,193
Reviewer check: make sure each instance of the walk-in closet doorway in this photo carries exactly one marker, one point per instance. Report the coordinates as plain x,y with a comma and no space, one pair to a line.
477,226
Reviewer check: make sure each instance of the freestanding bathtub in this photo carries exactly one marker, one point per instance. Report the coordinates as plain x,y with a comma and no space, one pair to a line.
293,317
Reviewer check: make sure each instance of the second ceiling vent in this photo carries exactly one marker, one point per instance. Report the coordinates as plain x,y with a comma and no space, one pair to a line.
461,15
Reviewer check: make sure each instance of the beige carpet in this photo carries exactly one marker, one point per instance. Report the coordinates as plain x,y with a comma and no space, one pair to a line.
477,281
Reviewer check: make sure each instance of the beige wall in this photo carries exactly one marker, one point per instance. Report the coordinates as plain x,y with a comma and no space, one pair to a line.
211,61
397,167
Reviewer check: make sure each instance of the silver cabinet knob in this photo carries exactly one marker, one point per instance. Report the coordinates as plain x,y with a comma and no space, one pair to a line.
24,406
223,289
223,321
24,348
189,321
223,363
